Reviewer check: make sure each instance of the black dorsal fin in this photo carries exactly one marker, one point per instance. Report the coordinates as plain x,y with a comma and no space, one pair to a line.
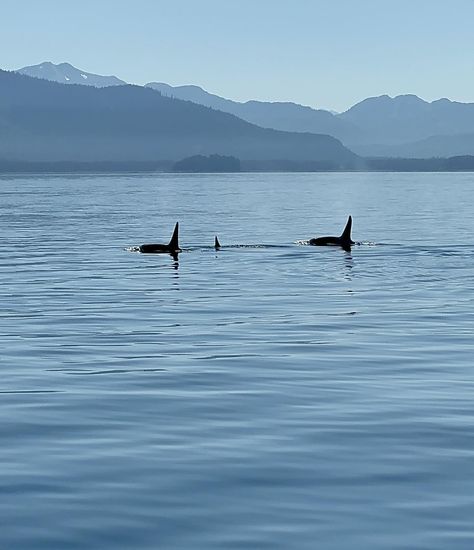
217,244
346,234
173,244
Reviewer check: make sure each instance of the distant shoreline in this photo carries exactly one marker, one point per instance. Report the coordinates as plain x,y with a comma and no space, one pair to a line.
451,164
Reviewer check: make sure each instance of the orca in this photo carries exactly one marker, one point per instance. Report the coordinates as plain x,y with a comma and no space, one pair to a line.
171,248
217,244
343,241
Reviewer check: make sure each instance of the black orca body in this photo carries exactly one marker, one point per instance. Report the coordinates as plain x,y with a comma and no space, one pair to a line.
343,241
171,248
217,244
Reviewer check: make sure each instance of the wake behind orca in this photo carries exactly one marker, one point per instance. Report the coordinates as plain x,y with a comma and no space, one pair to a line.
343,241
171,248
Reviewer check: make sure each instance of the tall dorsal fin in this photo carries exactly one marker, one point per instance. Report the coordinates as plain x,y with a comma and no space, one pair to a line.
173,244
346,234
217,244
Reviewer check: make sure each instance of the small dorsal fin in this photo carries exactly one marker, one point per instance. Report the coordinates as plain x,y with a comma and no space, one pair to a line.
217,244
173,244
346,234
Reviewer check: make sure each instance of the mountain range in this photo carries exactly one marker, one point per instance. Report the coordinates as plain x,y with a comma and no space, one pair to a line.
402,126
46,121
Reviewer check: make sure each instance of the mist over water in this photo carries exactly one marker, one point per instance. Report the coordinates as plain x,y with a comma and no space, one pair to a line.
265,396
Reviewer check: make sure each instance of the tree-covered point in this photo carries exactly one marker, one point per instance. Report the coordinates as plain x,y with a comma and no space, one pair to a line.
212,163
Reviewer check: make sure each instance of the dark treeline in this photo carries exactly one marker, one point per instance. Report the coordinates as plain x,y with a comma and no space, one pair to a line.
217,163
301,166
67,167
212,163
451,164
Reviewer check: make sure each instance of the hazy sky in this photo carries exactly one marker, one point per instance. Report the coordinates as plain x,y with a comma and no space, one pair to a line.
328,54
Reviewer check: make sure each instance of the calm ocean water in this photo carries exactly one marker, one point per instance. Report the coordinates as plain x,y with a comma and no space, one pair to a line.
274,396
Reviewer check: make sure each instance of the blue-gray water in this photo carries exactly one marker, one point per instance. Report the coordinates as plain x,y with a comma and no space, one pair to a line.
280,397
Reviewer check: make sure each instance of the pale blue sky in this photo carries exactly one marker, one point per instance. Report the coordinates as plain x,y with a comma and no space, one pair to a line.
327,54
